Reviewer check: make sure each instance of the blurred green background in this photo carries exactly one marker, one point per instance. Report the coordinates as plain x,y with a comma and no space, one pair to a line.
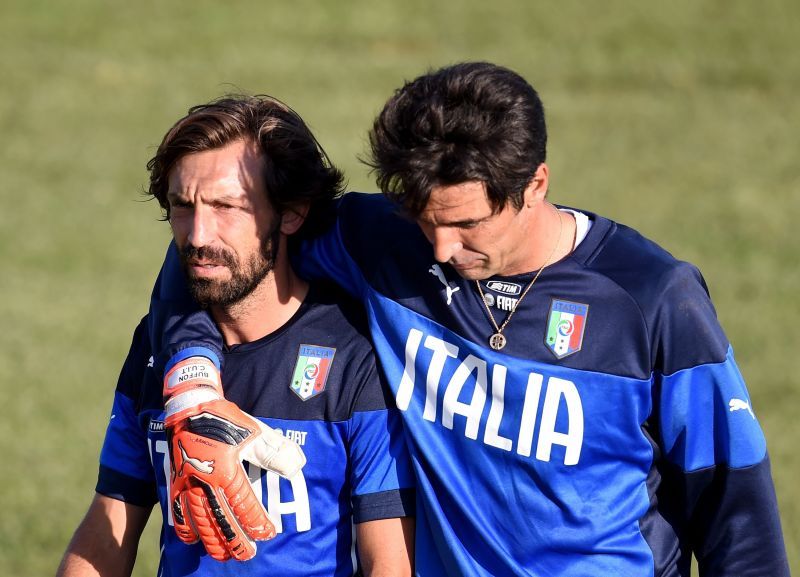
680,119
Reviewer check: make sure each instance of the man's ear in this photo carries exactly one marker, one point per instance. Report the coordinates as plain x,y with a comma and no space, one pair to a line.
293,218
537,187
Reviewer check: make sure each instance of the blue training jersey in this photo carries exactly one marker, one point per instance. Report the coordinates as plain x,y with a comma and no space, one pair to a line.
613,435
316,381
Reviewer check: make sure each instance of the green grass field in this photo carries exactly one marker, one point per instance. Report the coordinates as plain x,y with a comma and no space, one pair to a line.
679,118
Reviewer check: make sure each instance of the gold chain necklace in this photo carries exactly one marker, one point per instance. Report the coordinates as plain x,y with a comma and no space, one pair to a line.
497,341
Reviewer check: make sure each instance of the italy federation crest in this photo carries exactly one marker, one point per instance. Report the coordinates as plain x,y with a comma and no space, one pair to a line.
311,370
565,327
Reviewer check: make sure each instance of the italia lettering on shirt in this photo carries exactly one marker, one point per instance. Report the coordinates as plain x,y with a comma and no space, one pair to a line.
489,387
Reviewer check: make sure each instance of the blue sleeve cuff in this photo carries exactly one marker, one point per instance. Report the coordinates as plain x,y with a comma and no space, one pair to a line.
125,488
384,505
192,352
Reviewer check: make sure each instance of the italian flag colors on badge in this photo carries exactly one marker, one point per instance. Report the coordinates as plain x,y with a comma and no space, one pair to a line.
565,327
311,370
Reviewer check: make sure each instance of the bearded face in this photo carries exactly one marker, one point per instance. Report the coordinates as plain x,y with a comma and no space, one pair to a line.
225,228
245,273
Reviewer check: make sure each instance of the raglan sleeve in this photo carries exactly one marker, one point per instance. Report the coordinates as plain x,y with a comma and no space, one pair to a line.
179,328
381,477
349,252
126,471
711,438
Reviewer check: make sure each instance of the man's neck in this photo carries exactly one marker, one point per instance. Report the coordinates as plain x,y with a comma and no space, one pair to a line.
270,306
551,238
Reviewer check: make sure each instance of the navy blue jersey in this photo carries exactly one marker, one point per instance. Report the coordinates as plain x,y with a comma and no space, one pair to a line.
613,435
315,380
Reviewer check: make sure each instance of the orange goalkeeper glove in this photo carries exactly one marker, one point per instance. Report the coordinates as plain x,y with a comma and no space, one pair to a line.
209,437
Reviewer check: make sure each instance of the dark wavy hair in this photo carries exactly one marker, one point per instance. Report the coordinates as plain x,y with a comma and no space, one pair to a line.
473,121
296,168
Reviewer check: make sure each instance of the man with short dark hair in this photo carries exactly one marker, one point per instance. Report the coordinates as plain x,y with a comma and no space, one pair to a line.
570,402
239,178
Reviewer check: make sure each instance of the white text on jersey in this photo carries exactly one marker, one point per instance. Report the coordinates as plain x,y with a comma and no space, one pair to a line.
298,437
557,391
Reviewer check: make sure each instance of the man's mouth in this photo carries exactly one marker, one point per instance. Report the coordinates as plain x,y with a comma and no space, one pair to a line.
203,268
207,264
463,264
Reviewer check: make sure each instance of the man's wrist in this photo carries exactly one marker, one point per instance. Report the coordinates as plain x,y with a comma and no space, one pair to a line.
191,380
193,351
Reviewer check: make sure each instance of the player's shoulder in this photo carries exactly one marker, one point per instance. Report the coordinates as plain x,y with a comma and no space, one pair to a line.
346,317
332,306
670,294
137,361
138,380
373,229
361,204
339,319
638,265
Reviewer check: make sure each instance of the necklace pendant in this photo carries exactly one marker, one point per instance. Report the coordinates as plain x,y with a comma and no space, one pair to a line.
497,341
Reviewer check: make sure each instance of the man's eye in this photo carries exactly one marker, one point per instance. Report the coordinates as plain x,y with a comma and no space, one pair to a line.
468,225
225,206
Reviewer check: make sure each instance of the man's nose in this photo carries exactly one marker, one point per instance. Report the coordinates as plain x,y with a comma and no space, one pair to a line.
202,228
446,243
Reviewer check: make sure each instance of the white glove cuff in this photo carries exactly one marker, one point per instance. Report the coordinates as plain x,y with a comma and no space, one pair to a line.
189,399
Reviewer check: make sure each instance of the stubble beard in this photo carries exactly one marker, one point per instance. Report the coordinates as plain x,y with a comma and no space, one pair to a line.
244,279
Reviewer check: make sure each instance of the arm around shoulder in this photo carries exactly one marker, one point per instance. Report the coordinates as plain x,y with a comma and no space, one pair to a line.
106,541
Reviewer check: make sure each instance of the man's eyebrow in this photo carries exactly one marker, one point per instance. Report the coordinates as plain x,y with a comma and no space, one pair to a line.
462,222
236,199
467,221
222,199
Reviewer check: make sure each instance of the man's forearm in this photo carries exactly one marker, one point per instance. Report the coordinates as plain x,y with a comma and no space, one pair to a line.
106,541
386,547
